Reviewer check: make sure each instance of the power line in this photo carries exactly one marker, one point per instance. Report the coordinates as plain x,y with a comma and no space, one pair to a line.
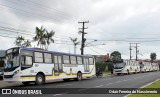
94,50
46,8
31,14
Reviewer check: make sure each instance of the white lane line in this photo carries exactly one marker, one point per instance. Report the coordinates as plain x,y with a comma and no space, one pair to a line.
57,94
144,86
83,89
118,81
100,86
63,85
150,83
60,94
106,78
109,83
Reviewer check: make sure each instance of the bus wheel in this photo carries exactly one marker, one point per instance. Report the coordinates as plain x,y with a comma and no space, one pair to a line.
26,83
118,73
128,72
79,76
40,79
66,80
135,71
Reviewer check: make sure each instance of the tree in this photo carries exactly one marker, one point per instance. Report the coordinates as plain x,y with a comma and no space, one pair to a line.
27,43
22,42
40,37
48,37
153,56
115,56
43,37
19,41
75,43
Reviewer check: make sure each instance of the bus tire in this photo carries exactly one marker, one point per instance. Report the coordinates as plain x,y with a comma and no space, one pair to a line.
66,80
26,83
118,73
79,76
128,72
135,71
40,79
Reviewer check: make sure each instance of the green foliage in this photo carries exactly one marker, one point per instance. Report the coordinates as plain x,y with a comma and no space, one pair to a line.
153,56
115,55
22,42
104,66
43,37
75,42
153,85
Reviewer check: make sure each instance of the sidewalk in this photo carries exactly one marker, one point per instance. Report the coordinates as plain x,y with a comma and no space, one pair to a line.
105,74
6,84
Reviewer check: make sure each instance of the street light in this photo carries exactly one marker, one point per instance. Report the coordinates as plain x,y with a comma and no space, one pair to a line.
90,42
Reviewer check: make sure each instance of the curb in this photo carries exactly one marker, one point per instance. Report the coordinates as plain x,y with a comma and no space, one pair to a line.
144,86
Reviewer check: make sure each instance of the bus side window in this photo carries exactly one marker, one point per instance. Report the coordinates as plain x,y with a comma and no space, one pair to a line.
73,59
22,60
66,59
79,60
91,61
47,58
26,60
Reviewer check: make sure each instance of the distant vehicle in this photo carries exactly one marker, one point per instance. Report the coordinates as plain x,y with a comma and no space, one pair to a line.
126,67
1,67
2,59
146,67
155,66
36,65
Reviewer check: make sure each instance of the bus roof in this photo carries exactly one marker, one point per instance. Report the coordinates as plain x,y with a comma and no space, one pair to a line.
42,50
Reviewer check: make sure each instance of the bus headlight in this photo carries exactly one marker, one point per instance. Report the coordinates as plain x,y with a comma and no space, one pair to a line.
15,72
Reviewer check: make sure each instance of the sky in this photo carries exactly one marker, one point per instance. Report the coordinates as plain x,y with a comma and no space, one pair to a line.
113,23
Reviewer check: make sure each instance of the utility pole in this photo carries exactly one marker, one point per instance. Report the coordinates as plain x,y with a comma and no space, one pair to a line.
137,50
83,33
130,48
136,47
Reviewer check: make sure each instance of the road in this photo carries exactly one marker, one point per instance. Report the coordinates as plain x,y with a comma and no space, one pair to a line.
123,81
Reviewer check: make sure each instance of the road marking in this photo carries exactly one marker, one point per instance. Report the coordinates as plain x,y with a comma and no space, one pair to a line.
109,83
60,94
106,78
99,86
63,85
144,86
83,89
57,94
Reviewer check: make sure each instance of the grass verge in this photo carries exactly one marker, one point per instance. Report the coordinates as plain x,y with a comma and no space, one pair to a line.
153,85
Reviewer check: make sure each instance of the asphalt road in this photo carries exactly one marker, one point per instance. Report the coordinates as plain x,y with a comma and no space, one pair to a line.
123,81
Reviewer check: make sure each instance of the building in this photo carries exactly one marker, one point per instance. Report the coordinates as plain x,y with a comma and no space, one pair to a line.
102,58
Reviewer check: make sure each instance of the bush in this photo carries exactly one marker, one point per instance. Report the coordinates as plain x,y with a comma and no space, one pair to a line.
105,66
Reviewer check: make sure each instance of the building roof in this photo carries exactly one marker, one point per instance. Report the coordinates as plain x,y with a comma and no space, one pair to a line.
2,53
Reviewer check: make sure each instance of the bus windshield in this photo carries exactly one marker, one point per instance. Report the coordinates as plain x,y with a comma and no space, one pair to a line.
12,60
119,65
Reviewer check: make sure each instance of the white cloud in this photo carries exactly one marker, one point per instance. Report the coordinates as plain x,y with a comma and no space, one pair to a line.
108,20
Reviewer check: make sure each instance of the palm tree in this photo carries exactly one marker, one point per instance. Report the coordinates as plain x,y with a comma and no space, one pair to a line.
75,43
19,41
48,37
27,43
40,36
